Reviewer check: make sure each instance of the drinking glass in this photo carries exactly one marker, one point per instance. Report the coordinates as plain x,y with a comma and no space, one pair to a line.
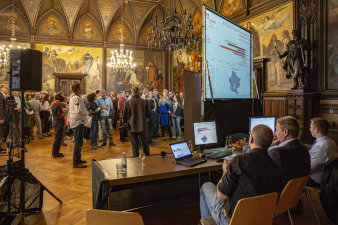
142,157
119,168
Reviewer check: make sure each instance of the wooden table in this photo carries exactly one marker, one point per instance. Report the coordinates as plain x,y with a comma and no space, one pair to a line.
157,177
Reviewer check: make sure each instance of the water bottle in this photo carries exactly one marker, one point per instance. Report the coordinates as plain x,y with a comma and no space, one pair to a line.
231,147
245,146
124,163
226,144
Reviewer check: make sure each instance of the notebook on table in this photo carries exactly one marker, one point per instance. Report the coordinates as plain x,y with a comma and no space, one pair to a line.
182,154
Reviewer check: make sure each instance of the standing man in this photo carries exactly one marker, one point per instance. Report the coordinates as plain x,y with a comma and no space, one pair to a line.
37,108
157,122
77,118
244,176
289,153
59,121
105,103
3,111
135,112
122,100
16,123
322,152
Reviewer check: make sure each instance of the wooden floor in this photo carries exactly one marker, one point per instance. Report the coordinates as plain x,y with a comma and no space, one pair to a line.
74,188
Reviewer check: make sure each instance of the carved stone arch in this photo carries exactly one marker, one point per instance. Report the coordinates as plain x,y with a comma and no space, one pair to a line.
22,25
88,28
89,7
51,24
113,19
149,20
149,16
114,33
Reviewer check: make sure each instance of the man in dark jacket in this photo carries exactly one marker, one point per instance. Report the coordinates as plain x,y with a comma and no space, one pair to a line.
288,153
135,112
3,111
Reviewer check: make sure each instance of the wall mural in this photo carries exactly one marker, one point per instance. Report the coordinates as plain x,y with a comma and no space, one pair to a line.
4,76
272,30
232,7
21,24
51,25
332,44
87,29
148,72
71,59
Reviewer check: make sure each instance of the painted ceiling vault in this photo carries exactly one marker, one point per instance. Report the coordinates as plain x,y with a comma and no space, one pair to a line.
95,21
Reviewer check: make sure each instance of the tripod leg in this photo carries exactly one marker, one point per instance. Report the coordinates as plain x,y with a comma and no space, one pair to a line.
51,193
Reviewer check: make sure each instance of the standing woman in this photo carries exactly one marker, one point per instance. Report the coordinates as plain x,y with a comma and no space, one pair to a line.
28,112
176,117
59,121
45,115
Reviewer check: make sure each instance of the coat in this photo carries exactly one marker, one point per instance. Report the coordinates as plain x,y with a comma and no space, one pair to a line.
135,112
164,110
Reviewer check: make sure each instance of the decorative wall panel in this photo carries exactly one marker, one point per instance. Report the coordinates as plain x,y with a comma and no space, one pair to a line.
21,24
230,8
71,59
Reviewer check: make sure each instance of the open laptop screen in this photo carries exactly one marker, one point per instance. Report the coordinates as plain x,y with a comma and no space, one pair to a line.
180,149
269,121
205,133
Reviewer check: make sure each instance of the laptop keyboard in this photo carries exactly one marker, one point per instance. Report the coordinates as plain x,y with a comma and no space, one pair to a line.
219,154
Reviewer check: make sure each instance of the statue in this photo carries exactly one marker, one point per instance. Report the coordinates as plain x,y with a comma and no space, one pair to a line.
294,64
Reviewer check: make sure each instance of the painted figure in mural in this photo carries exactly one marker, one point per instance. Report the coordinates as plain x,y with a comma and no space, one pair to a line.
94,74
51,27
256,42
231,7
273,22
88,59
286,39
58,64
333,58
274,47
88,31
295,62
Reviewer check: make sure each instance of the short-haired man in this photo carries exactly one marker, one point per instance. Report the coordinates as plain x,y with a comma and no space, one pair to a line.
289,153
105,103
245,176
77,118
322,152
135,112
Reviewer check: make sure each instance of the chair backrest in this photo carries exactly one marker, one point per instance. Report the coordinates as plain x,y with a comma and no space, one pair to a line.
105,217
255,210
290,194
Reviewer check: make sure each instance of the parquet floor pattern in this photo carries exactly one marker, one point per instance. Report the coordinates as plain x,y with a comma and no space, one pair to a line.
74,188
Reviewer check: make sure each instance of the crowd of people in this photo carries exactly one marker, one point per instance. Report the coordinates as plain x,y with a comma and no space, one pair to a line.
93,117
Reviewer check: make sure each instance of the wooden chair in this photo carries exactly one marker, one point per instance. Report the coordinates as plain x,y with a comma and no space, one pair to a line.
290,195
251,211
105,217
316,191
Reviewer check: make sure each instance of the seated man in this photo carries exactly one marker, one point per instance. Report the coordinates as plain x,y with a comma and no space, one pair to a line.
322,152
290,154
247,175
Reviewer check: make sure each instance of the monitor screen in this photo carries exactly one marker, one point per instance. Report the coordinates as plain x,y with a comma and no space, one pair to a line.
180,149
269,121
205,133
227,56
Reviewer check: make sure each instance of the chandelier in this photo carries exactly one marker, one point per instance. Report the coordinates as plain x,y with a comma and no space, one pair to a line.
173,33
5,49
123,59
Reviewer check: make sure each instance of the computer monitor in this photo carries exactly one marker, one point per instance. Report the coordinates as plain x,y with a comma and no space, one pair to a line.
205,133
269,121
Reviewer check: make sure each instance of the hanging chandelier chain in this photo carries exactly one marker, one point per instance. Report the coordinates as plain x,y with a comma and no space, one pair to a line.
122,23
13,20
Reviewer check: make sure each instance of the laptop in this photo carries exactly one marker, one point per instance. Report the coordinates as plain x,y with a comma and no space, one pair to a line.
182,154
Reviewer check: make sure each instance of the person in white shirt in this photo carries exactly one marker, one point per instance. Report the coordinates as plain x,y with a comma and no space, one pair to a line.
322,152
77,118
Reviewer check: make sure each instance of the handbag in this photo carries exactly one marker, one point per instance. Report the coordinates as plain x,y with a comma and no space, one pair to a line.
29,112
89,122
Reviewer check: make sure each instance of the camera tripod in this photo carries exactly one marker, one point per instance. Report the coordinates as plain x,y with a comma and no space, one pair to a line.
16,178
